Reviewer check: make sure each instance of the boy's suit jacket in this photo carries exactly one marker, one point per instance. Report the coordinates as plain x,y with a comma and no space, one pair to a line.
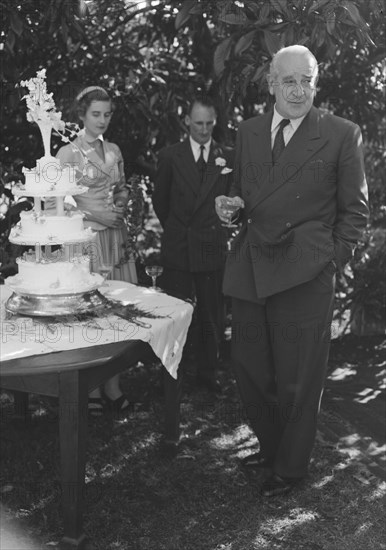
303,214
193,238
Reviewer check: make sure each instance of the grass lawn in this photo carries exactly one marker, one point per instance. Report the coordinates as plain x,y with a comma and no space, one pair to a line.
139,499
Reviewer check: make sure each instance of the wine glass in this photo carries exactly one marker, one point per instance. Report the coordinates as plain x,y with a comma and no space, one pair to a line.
154,271
105,270
229,207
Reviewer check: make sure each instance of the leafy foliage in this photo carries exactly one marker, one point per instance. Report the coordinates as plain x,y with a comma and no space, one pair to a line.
152,55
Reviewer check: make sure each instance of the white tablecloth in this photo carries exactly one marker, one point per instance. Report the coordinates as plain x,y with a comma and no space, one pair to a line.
25,336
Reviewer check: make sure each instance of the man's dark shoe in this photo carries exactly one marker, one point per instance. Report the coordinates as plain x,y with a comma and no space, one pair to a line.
276,485
256,460
168,449
213,386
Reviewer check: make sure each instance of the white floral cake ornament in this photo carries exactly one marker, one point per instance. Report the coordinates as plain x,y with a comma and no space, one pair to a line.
42,110
40,103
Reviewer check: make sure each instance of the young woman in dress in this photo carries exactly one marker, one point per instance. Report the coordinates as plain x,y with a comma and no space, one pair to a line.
99,163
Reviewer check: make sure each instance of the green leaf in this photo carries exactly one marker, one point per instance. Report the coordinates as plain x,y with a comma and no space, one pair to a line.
83,8
320,36
259,73
198,9
331,46
16,23
289,35
11,39
221,54
278,26
272,41
303,41
253,9
280,6
238,18
331,24
153,100
64,28
353,12
317,5
244,42
233,19
184,14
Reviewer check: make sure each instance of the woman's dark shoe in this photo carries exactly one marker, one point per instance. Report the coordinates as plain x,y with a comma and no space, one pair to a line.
120,405
210,384
95,406
256,460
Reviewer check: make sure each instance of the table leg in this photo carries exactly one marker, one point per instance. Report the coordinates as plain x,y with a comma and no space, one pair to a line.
73,395
172,396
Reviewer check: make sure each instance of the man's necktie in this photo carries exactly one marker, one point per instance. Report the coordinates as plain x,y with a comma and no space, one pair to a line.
279,145
201,164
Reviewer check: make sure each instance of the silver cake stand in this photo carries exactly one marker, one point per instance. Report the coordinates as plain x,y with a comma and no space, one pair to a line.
49,305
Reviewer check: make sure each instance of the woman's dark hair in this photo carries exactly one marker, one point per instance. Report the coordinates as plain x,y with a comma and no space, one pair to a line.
84,99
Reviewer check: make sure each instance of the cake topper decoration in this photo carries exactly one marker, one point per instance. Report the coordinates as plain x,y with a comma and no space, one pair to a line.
40,103
42,110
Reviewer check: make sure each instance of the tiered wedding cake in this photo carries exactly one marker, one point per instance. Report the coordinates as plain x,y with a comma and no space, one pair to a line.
48,281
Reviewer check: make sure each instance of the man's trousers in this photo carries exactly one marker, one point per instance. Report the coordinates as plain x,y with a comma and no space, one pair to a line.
204,288
280,353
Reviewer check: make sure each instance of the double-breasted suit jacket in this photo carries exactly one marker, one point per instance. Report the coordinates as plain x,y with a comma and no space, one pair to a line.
193,238
306,211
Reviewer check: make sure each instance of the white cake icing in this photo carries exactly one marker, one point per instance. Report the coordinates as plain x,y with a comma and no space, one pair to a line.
48,228
54,276
67,270
49,175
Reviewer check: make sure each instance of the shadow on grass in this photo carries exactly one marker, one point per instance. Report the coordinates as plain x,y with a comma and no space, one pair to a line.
137,499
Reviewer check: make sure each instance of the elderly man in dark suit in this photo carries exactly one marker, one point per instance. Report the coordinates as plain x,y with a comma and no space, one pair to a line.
190,174
300,175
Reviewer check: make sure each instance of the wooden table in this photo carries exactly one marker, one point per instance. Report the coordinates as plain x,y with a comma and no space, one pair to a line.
70,376
70,368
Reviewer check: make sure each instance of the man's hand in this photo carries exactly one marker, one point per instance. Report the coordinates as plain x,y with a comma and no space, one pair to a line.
226,207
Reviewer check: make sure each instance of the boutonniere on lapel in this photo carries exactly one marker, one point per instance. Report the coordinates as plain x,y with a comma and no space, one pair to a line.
220,161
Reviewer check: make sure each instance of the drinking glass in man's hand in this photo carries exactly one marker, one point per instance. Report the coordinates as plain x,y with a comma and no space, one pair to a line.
226,208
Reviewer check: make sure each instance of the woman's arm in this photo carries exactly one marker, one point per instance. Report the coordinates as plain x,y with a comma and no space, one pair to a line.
110,218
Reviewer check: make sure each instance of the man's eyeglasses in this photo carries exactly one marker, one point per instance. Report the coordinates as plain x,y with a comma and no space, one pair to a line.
305,83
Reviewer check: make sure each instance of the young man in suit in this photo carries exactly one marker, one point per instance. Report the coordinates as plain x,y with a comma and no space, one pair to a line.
300,174
190,174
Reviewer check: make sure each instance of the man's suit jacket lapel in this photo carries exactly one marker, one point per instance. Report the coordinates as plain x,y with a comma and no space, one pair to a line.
211,175
303,145
188,166
258,144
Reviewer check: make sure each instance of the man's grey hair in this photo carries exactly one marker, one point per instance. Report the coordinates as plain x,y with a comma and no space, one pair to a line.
296,49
